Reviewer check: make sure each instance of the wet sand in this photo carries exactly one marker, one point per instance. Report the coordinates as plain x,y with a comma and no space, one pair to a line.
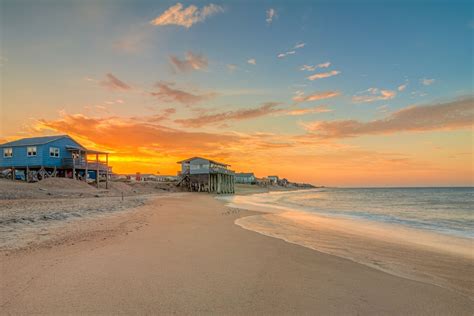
182,253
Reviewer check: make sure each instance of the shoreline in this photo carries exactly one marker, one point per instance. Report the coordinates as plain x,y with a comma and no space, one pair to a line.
416,254
183,253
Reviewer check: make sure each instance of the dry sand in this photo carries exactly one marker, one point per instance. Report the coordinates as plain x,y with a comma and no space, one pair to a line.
182,253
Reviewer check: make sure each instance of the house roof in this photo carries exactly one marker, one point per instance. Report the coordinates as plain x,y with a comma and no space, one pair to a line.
34,141
31,141
244,174
194,158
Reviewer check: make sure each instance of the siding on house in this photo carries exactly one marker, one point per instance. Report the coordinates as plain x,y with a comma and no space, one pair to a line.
42,158
245,177
199,165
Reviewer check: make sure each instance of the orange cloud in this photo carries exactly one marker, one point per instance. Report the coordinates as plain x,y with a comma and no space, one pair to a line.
139,144
316,109
373,95
132,136
243,114
191,62
167,94
300,97
176,15
457,114
324,75
114,83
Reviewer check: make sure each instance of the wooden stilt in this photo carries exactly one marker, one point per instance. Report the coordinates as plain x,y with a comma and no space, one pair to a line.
97,171
87,166
107,171
73,166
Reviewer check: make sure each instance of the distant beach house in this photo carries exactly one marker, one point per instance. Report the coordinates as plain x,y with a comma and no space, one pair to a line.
201,174
273,179
247,178
35,158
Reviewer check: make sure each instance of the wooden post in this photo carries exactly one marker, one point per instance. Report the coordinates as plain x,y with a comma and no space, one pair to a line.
107,171
219,183
87,167
13,173
224,176
97,171
226,184
73,166
27,172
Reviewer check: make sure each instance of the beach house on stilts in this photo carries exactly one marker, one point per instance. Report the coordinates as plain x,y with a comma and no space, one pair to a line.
36,158
205,175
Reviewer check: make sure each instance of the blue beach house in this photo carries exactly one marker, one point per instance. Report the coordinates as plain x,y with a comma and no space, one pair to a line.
35,158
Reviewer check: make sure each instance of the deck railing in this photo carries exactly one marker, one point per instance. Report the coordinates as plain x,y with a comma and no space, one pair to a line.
80,163
220,170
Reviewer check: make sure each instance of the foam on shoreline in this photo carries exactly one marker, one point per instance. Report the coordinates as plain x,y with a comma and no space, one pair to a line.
411,253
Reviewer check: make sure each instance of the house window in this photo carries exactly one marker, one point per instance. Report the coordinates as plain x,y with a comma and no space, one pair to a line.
7,152
31,151
53,152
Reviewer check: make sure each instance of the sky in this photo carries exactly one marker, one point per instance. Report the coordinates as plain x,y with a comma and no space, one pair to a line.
335,93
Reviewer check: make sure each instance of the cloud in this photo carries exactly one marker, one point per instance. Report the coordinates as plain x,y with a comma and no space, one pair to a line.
313,110
142,136
117,101
191,62
299,45
373,95
427,82
242,114
300,97
283,55
231,67
186,17
252,61
324,75
113,83
402,87
457,114
271,13
383,108
292,51
154,118
313,68
167,94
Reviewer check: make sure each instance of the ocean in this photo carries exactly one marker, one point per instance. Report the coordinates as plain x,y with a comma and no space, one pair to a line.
424,234
441,210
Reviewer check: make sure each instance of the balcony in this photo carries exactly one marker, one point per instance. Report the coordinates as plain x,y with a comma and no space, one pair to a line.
207,170
81,163
216,169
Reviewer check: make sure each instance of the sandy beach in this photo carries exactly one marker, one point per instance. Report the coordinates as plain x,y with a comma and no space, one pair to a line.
182,253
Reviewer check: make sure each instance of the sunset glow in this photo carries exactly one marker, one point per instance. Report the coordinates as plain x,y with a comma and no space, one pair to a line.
314,93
